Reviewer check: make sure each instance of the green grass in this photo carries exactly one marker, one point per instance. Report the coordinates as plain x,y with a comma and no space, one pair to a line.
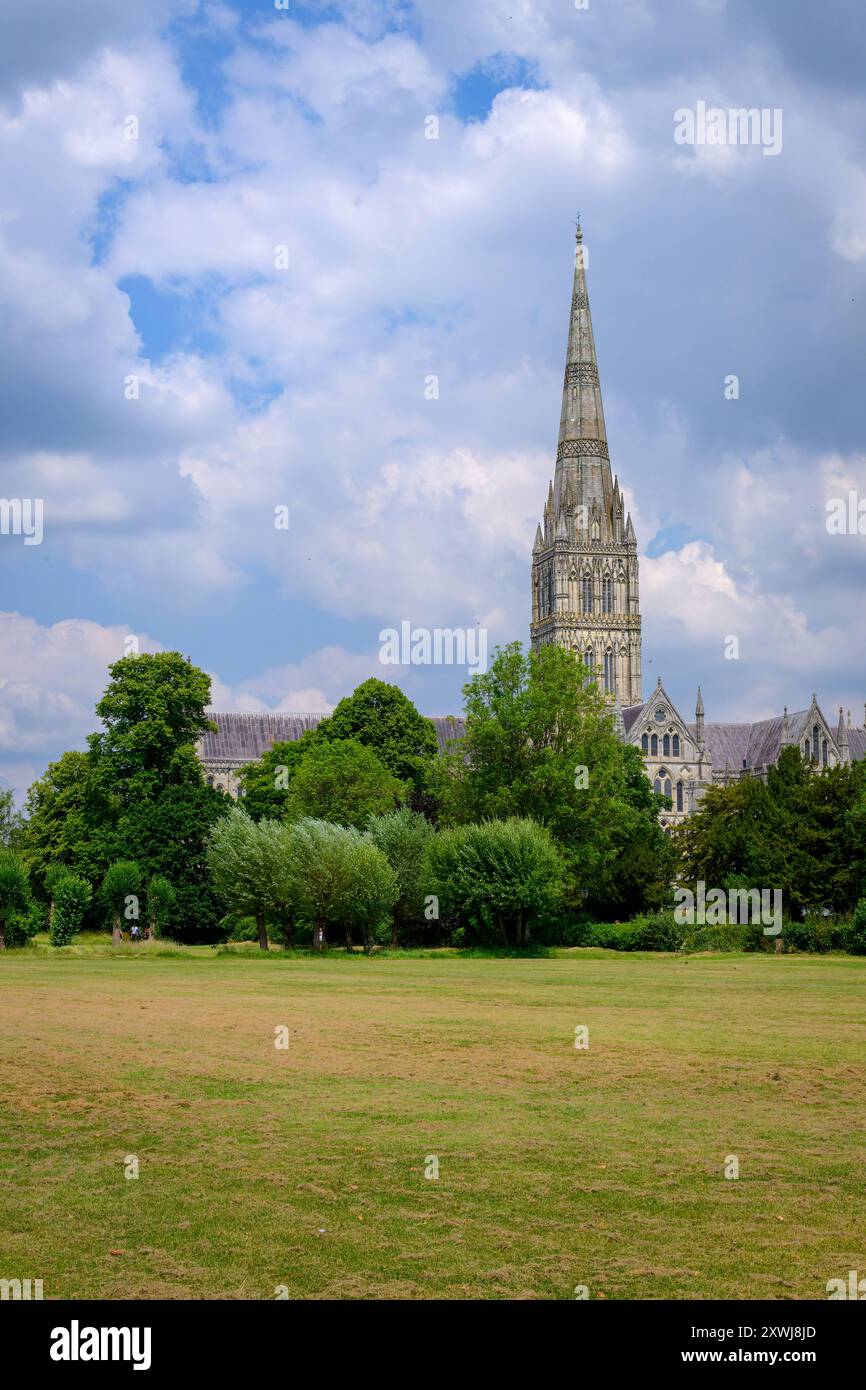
305,1167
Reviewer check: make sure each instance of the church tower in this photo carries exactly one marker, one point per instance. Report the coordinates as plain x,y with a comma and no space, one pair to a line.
584,561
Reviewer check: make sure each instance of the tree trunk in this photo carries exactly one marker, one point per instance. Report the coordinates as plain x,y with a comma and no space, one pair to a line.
348,940
116,933
263,936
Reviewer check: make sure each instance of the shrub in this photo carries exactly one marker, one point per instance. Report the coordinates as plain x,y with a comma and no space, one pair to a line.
855,936
498,877
22,926
71,901
14,890
161,904
120,889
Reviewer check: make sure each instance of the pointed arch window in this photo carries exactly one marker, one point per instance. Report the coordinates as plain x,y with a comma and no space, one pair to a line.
588,660
644,743
609,673
676,745
806,749
815,736
654,745
824,753
679,796
666,745
607,595
586,593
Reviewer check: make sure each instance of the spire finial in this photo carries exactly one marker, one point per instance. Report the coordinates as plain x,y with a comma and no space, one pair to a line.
578,235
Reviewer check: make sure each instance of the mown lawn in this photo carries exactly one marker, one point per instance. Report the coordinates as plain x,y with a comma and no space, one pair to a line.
305,1167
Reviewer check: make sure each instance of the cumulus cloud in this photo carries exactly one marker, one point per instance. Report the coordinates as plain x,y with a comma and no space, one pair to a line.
330,263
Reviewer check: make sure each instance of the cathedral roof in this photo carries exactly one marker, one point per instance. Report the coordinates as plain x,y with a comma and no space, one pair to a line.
245,737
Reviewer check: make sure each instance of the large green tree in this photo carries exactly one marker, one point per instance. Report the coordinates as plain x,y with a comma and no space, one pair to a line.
342,781
540,743
251,863
497,878
404,837
381,717
803,832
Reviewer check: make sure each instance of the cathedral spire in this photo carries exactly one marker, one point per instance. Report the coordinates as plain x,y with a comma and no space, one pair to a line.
699,717
582,449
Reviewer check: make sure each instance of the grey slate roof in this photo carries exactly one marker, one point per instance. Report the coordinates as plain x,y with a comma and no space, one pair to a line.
629,715
245,737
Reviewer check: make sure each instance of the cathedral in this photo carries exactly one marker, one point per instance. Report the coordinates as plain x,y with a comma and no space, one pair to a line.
585,597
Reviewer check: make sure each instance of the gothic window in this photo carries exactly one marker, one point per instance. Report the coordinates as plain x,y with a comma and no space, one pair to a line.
588,660
666,745
644,744
609,674
210,781
806,749
607,596
654,745
824,753
679,796
815,736
676,745
586,593
657,786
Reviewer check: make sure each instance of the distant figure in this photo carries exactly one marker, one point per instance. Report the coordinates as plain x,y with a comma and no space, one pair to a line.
135,932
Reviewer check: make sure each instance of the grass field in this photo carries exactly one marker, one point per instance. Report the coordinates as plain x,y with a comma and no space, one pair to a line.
305,1167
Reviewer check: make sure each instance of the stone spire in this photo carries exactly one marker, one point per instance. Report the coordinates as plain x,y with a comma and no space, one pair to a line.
585,589
787,736
699,718
582,457
842,739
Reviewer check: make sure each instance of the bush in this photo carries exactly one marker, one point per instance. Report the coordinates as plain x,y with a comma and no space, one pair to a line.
120,889
23,926
818,934
497,878
855,935
71,900
656,931
161,904
14,891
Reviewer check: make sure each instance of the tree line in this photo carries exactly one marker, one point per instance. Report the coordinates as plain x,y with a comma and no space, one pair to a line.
534,823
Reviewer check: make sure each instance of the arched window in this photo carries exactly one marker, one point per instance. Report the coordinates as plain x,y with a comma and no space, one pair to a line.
668,787
654,745
657,786
607,596
644,743
806,749
587,660
666,745
815,735
210,781
824,753
679,796
609,674
586,593
676,745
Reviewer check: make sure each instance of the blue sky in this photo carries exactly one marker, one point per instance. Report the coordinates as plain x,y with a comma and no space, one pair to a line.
259,128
